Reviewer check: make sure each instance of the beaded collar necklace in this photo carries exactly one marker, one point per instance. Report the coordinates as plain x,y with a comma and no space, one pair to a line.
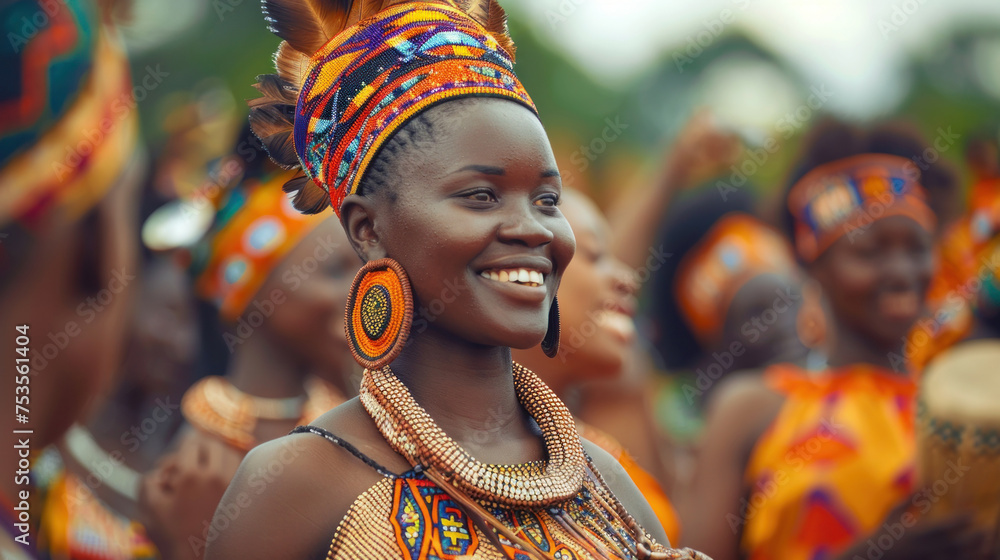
217,407
412,433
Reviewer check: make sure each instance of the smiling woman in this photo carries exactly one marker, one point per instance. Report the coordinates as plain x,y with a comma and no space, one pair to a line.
406,118
799,465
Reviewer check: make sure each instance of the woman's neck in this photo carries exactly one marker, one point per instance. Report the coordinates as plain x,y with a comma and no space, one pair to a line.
851,347
261,369
553,371
468,390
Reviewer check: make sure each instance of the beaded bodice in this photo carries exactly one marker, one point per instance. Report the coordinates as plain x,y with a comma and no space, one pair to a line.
409,518
449,505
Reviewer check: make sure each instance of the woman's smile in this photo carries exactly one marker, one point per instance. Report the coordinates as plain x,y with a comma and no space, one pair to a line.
519,277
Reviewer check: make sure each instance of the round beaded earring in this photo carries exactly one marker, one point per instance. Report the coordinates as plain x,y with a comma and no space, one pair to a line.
379,313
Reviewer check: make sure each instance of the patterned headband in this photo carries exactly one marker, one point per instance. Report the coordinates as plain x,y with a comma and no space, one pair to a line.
67,135
371,78
847,195
256,229
737,249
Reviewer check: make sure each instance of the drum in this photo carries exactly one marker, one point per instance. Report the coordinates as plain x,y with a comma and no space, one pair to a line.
958,434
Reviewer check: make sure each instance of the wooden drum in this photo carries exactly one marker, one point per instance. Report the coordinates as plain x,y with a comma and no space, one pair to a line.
958,434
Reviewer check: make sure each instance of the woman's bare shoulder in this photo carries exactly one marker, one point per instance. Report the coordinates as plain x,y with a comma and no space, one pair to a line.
290,494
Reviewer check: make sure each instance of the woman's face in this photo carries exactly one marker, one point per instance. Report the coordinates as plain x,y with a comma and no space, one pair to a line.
476,208
877,280
315,278
75,292
597,296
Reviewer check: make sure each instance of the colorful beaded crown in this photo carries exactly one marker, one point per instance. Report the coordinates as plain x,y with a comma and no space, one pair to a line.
849,194
355,90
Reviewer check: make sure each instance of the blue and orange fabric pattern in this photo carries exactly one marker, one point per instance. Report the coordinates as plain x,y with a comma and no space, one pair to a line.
845,196
737,249
369,80
256,227
67,122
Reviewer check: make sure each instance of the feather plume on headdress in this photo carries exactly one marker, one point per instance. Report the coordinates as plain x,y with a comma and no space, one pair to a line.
306,26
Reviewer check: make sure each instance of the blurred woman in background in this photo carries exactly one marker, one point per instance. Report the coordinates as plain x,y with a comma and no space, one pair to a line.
279,280
730,296
68,181
597,321
793,465
966,265
90,479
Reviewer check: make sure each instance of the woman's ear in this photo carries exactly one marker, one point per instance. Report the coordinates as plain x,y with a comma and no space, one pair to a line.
357,215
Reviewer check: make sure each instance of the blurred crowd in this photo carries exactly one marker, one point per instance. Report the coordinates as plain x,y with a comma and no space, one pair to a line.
758,366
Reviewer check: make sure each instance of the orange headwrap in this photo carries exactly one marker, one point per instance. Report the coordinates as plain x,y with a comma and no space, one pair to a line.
260,227
738,248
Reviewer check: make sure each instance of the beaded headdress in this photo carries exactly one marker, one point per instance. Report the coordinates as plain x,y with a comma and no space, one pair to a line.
849,194
737,248
350,74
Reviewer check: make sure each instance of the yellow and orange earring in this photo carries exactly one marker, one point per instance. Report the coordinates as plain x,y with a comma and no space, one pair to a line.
379,313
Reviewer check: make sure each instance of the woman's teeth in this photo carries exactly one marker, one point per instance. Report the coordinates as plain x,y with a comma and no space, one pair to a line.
617,322
516,275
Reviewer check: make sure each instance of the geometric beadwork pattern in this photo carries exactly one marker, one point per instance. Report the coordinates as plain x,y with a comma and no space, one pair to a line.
376,308
407,517
372,78
428,523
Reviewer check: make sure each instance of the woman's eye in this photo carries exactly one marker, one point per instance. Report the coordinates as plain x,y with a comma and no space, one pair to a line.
868,252
548,200
481,196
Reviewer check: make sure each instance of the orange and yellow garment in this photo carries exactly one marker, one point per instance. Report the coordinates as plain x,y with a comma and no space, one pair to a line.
650,488
836,460
967,254
75,525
